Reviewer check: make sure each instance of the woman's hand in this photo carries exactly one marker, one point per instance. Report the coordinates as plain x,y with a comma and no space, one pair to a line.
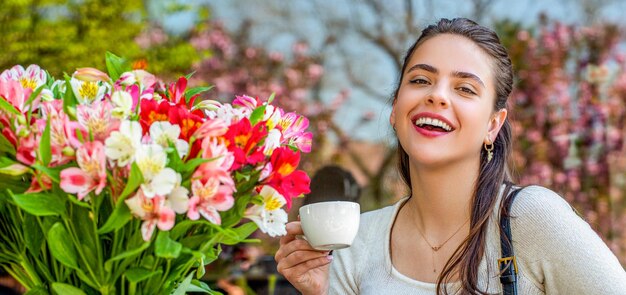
304,267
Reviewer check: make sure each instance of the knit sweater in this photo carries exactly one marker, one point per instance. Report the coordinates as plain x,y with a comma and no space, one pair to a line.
556,251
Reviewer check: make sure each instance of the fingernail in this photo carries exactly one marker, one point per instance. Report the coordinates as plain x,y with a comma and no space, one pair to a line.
329,257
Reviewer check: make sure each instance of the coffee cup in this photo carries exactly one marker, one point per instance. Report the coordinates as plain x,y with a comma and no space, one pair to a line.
330,225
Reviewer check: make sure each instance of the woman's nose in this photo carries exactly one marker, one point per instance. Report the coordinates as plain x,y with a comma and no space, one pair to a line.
438,97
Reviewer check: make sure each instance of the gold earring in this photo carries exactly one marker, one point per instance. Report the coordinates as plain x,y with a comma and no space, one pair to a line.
489,149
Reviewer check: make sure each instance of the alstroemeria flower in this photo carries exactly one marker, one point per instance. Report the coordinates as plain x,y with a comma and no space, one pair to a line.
97,118
13,92
293,124
31,78
152,211
121,145
123,104
90,174
87,92
302,141
163,133
178,199
158,179
243,141
284,177
209,197
272,141
145,79
269,217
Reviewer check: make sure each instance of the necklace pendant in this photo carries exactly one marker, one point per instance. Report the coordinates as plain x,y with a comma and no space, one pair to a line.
436,248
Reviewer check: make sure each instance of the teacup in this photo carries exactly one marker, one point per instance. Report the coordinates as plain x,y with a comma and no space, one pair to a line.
330,225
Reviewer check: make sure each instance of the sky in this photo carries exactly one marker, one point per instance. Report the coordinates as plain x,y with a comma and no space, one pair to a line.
378,71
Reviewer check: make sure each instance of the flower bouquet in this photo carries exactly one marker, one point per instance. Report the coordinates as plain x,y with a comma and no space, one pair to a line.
117,184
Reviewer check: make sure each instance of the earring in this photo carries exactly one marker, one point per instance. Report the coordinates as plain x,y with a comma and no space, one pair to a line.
489,149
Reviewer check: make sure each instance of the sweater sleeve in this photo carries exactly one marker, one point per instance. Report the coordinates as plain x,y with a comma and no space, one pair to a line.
558,250
342,271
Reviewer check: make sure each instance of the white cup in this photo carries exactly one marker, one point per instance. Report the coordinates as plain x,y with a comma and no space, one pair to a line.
330,225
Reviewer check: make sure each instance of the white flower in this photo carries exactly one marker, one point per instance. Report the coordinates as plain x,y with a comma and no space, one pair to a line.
178,199
47,95
269,217
164,132
158,180
121,145
87,91
272,116
272,141
123,104
229,114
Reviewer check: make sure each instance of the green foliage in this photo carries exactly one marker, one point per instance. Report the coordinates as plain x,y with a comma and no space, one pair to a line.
65,35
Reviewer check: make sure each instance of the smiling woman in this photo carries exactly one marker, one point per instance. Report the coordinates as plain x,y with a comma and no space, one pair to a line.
454,139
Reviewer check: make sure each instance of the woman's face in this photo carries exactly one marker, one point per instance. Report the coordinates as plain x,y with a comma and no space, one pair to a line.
444,109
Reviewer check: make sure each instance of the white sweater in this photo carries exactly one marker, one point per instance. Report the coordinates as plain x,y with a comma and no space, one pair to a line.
557,253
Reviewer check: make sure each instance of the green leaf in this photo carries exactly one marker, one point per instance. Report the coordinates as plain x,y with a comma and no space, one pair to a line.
61,247
6,146
165,247
108,265
200,287
41,204
134,180
63,289
246,229
138,274
53,173
183,227
116,65
8,107
69,99
183,286
39,290
31,98
229,237
33,236
120,216
197,90
257,115
188,76
271,98
44,146
192,164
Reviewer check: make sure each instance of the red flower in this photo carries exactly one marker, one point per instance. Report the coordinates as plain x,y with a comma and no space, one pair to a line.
242,139
284,177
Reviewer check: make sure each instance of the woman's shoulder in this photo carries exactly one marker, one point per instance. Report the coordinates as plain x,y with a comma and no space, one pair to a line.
380,218
537,201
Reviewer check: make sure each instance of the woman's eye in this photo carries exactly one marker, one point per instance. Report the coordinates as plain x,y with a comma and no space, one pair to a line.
419,81
467,90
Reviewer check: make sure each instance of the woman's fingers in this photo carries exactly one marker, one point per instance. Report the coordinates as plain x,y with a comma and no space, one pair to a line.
300,269
293,229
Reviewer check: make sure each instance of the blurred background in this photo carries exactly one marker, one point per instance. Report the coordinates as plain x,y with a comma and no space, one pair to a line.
336,62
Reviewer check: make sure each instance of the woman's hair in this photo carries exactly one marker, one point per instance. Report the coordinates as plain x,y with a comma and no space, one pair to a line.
466,259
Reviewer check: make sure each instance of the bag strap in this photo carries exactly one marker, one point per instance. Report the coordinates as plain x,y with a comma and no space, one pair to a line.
507,264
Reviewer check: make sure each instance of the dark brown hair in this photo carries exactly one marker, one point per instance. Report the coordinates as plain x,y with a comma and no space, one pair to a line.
466,259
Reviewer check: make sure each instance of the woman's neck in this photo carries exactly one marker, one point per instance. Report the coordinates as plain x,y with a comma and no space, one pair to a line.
441,198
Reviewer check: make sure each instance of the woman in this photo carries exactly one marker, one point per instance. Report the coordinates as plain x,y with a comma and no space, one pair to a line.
449,114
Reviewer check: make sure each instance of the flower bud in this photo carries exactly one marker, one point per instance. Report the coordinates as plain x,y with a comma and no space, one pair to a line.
68,151
14,169
90,75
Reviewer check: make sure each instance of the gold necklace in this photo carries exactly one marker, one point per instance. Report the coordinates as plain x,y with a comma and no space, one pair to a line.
436,248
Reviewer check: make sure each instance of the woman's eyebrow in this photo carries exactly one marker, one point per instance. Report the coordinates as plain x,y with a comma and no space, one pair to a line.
424,67
466,75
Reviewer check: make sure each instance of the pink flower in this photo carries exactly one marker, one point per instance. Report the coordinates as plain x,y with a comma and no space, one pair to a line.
97,119
13,92
209,197
153,212
91,174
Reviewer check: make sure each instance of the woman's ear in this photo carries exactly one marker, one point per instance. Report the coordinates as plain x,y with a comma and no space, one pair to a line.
392,116
496,122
